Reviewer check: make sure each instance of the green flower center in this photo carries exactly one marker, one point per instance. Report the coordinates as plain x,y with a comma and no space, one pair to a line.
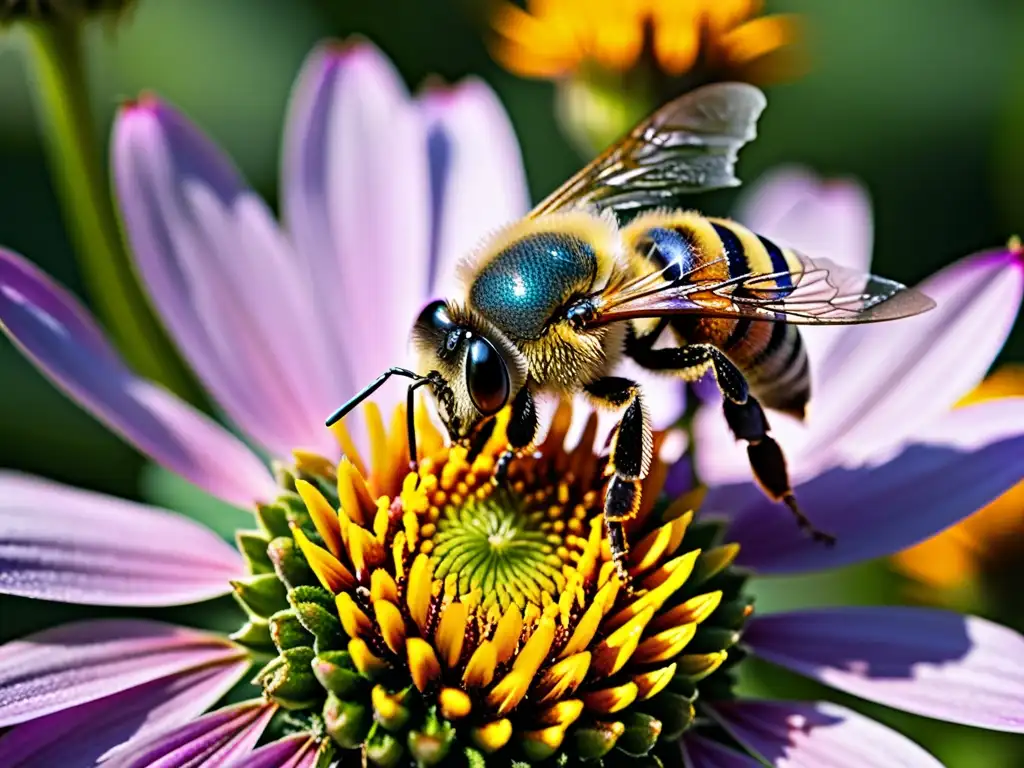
499,548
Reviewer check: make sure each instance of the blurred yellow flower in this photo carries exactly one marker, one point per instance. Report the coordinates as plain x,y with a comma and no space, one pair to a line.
557,38
954,559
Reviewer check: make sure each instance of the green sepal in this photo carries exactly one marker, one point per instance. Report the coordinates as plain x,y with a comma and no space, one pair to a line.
710,563
474,758
288,632
697,666
675,713
711,639
596,740
704,534
732,615
255,634
262,595
289,564
325,628
534,750
253,546
326,755
431,744
383,749
397,718
273,519
289,680
337,673
641,734
284,475
311,594
347,722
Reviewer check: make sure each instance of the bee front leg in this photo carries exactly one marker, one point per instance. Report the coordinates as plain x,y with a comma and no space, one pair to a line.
628,462
521,432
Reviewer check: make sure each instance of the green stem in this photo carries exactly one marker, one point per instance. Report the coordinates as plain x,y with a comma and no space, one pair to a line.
79,175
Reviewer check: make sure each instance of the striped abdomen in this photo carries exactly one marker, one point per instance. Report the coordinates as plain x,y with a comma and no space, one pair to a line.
691,248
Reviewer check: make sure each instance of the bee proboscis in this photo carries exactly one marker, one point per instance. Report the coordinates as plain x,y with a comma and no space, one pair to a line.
553,302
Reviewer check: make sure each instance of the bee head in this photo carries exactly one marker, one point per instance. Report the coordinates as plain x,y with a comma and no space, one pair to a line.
474,369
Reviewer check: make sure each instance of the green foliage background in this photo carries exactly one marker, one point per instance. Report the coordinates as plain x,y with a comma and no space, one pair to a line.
923,100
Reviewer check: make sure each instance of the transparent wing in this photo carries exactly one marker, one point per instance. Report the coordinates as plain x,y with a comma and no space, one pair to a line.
689,145
820,293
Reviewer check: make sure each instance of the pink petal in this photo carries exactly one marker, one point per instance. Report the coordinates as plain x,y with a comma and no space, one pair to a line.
60,543
885,381
56,332
823,219
220,738
60,668
296,751
699,752
791,734
938,664
476,171
225,280
965,460
86,733
356,201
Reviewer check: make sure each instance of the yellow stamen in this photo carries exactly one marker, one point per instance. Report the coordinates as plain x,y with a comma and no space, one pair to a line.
368,664
609,700
696,609
418,590
507,633
334,576
423,664
391,623
353,620
652,683
563,678
493,736
324,516
615,650
383,586
454,703
348,446
564,713
664,645
451,632
480,669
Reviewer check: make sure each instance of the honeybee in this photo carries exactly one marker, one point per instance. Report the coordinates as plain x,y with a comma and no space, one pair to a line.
554,301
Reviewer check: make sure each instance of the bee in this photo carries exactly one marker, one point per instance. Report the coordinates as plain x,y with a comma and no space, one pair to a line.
608,268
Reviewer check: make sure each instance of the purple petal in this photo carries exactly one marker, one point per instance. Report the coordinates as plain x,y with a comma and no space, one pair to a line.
476,172
356,202
60,543
791,734
885,381
226,281
704,753
84,734
933,663
220,738
63,667
967,459
55,331
295,751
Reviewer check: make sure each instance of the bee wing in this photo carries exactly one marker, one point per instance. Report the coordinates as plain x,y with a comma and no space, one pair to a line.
689,145
819,293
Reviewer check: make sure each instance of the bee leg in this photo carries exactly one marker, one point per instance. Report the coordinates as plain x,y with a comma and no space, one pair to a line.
628,462
748,422
520,431
743,412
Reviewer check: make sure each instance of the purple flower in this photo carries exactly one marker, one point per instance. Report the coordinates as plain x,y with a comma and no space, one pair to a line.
381,195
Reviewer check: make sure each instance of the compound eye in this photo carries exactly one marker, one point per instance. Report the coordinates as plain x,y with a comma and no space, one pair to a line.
486,377
435,316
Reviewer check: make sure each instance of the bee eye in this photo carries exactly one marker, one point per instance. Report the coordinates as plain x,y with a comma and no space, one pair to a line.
435,316
486,377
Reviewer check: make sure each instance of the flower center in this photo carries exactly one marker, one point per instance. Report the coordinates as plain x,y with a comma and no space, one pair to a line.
414,615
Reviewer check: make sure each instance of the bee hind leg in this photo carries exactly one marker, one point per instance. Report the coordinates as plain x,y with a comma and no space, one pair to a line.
743,412
628,462
748,422
521,431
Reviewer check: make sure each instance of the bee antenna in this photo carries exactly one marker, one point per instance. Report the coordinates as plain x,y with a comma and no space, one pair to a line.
369,389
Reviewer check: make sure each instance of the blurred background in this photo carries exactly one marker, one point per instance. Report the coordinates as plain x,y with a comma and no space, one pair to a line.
921,100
